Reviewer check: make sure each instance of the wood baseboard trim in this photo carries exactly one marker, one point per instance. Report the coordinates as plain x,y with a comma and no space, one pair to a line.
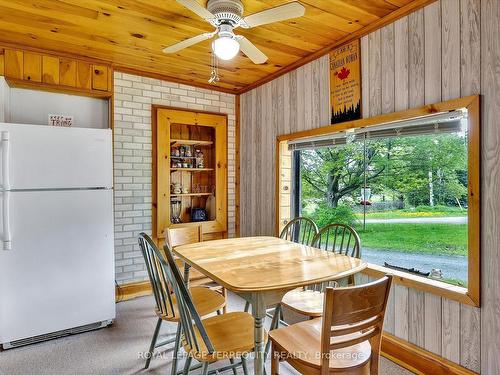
418,360
129,291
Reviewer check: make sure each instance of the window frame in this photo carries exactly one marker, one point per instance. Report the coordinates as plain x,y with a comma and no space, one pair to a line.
469,295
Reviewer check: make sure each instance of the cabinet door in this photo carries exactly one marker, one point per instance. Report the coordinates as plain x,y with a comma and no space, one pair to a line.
14,64
2,61
50,70
67,72
83,75
32,67
100,77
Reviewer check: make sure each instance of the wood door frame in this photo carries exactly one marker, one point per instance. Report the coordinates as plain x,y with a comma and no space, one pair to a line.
472,294
155,110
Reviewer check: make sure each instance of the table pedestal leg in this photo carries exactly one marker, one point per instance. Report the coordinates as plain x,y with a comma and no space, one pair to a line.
259,315
187,267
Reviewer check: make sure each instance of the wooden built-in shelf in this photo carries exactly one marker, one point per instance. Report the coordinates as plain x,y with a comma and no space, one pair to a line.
191,195
189,142
202,136
191,169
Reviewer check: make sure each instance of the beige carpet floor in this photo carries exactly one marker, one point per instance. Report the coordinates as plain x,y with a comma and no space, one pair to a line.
114,350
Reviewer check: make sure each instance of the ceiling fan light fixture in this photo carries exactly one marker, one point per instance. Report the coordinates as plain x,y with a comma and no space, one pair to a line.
227,15
225,47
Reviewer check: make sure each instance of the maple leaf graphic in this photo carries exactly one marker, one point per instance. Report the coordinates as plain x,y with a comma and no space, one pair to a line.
344,73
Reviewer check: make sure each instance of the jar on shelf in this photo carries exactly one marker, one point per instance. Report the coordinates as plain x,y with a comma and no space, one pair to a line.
199,158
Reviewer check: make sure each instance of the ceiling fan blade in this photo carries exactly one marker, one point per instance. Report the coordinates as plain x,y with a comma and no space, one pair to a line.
188,42
252,52
194,7
280,13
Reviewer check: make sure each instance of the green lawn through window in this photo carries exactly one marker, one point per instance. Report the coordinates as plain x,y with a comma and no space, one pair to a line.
441,239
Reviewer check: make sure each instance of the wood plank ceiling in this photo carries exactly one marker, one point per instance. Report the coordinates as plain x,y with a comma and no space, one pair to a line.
132,33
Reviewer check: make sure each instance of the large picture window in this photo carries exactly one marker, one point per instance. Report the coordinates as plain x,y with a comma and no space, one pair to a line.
405,186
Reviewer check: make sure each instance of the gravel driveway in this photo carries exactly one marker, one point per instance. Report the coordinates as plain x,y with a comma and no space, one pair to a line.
453,266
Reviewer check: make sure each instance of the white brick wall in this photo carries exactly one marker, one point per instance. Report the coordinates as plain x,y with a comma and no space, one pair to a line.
134,96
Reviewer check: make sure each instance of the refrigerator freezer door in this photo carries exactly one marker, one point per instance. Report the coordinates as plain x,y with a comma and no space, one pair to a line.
59,273
47,157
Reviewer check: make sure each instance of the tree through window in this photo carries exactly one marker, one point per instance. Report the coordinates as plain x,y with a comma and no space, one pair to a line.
403,189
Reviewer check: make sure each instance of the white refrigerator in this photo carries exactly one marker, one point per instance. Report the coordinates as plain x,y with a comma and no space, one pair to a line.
56,232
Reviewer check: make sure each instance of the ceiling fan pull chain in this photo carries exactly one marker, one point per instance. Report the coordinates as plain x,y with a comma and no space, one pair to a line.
214,75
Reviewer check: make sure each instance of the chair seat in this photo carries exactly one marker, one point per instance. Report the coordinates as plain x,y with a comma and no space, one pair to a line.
207,301
301,344
306,302
231,334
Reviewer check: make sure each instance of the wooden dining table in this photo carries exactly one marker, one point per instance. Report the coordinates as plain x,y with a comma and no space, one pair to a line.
262,270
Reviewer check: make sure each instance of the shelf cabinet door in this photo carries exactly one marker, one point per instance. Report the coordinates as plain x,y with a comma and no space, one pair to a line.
14,61
84,75
100,77
2,61
32,67
67,72
50,70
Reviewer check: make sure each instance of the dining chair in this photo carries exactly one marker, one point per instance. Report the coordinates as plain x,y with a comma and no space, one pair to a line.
185,235
346,340
166,309
337,238
301,230
227,336
340,239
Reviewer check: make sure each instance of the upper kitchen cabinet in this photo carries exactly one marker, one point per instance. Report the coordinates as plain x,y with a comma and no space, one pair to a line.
14,64
99,77
32,67
55,73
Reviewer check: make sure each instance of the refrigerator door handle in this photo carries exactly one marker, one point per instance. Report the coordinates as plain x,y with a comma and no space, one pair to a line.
5,161
7,241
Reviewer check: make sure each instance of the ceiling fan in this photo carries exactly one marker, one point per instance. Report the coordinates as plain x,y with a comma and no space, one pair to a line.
227,15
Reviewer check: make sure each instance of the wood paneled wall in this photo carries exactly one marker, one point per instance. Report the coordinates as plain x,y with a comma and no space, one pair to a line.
295,101
429,56
490,170
449,49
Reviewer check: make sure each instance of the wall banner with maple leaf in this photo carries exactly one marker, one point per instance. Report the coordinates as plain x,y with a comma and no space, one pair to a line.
345,82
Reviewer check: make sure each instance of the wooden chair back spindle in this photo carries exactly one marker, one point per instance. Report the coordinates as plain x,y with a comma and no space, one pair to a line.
340,239
190,319
353,315
301,230
159,284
